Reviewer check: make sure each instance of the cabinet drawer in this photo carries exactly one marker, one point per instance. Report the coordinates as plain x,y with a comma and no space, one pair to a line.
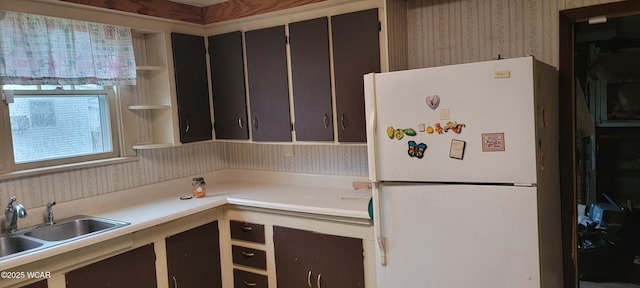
249,257
244,279
247,231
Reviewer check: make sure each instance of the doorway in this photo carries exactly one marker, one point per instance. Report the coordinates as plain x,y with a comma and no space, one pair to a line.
600,159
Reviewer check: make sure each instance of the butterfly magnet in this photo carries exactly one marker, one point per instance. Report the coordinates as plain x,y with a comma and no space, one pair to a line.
416,150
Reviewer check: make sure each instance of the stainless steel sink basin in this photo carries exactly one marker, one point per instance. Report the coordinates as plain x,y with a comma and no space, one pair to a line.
73,228
12,245
44,236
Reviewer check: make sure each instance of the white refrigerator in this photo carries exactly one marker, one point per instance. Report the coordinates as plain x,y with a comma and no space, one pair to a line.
464,165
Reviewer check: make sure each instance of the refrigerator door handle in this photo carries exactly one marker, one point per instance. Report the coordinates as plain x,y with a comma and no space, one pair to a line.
377,223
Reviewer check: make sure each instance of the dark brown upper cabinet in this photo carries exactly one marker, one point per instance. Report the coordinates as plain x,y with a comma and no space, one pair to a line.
193,257
268,84
311,79
192,91
227,86
356,52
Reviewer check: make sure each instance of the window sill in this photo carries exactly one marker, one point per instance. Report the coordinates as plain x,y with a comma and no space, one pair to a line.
66,167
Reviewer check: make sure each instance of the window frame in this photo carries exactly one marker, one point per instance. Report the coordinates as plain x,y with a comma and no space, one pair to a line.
8,167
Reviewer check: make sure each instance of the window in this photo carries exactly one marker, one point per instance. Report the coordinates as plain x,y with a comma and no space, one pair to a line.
59,78
56,127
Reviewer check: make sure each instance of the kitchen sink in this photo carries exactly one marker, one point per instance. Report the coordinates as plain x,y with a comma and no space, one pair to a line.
73,227
14,244
44,236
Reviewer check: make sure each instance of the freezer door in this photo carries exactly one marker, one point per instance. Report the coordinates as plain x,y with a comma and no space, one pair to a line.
495,102
458,236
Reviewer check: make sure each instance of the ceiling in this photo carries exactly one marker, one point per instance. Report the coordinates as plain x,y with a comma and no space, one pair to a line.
199,3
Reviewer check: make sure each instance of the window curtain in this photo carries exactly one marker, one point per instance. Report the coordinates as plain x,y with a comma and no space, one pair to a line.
37,49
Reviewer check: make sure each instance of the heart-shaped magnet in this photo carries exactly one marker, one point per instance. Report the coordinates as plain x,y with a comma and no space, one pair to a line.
433,101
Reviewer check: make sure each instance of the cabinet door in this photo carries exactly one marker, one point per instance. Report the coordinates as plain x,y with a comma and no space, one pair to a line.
227,86
193,257
268,84
304,257
311,79
341,262
135,269
356,52
190,68
293,252
39,284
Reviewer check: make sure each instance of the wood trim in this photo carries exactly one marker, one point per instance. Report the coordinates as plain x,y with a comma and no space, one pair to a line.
567,20
615,9
234,9
567,151
157,8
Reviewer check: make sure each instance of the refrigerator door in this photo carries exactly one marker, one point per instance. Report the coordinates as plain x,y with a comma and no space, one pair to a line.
495,102
458,236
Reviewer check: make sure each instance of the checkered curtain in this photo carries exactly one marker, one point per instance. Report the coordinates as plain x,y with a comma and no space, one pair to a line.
37,49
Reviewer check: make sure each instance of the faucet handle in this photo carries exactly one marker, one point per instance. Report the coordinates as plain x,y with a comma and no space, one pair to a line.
9,207
50,219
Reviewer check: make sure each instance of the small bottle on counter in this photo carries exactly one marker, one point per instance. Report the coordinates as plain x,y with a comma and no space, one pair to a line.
199,187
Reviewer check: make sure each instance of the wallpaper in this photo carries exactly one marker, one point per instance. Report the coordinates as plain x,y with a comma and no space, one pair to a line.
442,32
157,165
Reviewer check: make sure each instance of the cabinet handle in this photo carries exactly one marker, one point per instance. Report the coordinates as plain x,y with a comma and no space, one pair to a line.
342,122
255,123
240,122
248,254
175,282
250,284
246,228
309,279
186,129
325,120
319,276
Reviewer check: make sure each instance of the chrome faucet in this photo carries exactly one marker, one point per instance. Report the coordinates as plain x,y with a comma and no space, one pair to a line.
12,213
50,220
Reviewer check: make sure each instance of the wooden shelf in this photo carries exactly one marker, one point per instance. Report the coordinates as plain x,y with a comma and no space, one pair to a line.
150,68
148,107
151,146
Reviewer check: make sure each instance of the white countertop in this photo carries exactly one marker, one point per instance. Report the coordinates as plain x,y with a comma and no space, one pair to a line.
159,203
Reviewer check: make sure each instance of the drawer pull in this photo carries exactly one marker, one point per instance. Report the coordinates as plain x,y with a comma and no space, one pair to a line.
309,279
247,228
250,284
175,281
319,276
248,254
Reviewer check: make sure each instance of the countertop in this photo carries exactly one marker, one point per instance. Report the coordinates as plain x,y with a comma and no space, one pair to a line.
159,203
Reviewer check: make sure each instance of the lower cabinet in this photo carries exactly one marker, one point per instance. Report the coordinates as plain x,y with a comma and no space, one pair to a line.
135,268
244,279
309,259
193,257
39,284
